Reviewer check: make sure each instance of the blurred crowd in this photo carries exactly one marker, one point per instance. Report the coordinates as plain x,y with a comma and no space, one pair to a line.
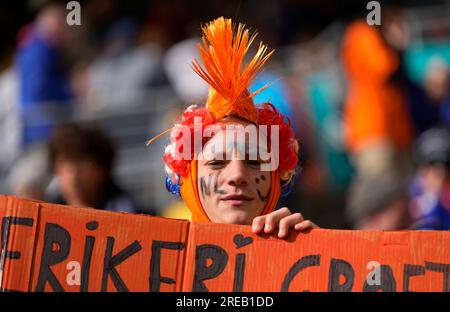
370,105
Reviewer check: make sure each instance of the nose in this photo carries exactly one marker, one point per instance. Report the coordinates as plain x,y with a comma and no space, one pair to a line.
73,173
236,174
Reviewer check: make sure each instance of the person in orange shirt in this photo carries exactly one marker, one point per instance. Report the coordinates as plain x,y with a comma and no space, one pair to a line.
378,131
217,157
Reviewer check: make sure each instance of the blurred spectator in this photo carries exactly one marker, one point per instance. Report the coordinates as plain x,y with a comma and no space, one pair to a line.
430,189
43,83
30,175
437,79
119,76
178,67
430,104
9,119
378,128
379,202
82,159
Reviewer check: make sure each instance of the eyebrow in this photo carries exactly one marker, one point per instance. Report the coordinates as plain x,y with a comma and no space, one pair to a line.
224,157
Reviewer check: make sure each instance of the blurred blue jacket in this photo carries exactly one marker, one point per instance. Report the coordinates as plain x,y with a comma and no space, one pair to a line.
430,212
41,81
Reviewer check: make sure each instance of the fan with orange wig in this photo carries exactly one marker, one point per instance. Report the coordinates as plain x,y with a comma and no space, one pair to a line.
223,50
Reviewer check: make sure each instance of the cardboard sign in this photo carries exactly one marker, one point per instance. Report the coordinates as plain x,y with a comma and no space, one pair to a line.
231,258
48,247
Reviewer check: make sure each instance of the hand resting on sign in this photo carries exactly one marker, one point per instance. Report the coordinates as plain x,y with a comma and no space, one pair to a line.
281,220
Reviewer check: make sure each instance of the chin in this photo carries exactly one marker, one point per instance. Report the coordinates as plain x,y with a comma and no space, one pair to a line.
237,217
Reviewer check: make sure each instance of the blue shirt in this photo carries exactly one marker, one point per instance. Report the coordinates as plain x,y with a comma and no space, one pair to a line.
430,211
41,81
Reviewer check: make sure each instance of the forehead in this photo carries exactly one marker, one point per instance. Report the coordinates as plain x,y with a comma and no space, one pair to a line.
237,131
235,136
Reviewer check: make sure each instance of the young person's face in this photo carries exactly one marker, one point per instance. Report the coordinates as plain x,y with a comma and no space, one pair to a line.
232,189
80,180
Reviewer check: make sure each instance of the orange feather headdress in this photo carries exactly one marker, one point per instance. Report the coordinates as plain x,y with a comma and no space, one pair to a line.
223,55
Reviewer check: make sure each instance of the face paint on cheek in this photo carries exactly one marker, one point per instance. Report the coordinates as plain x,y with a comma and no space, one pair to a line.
211,181
216,189
205,185
203,188
262,197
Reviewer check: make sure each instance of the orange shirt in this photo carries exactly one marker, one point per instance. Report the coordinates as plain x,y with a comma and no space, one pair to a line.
374,109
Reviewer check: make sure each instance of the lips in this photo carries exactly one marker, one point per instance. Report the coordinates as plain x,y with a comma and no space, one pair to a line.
236,199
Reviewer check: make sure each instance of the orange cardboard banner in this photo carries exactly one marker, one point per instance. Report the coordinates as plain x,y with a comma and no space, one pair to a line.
80,249
231,258
47,247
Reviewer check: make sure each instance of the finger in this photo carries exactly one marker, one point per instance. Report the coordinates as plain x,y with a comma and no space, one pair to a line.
274,217
288,222
305,225
258,224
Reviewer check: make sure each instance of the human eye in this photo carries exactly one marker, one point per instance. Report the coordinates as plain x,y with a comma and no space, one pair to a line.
254,163
216,163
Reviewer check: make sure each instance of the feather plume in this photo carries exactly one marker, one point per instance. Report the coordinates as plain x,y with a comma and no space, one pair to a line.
223,53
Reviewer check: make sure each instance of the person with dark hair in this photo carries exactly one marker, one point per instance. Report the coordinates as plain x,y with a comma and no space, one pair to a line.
430,190
82,159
